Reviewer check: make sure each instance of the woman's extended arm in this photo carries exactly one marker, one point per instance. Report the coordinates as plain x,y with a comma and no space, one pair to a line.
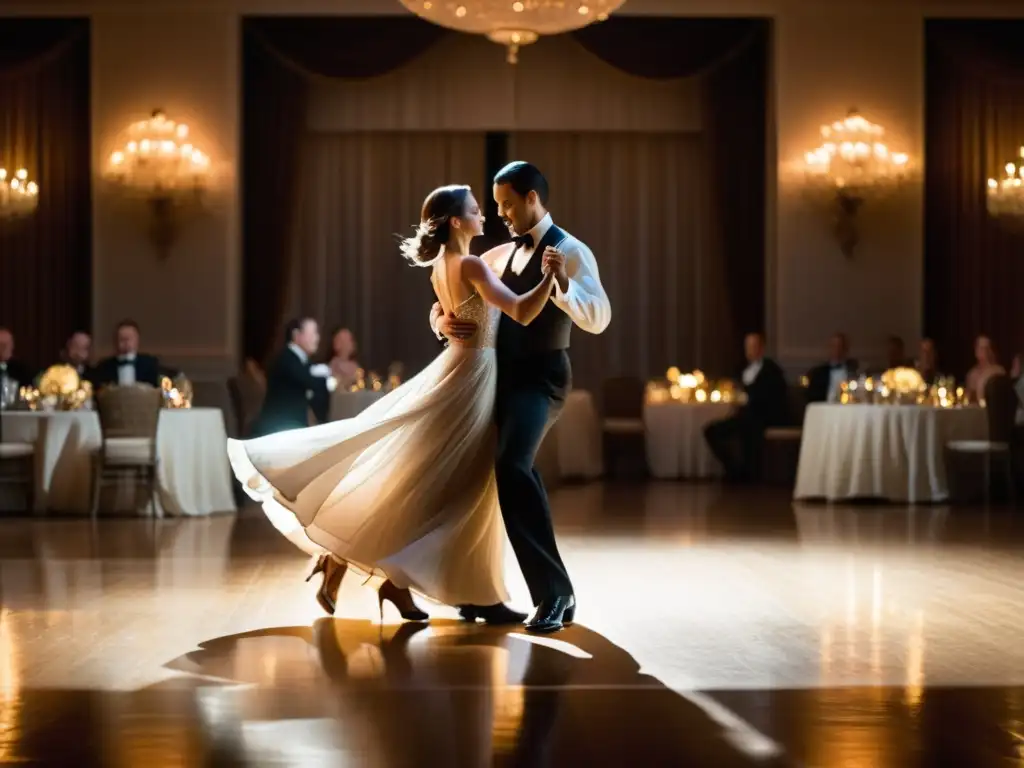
523,309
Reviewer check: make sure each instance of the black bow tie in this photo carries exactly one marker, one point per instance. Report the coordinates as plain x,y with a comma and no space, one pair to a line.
523,241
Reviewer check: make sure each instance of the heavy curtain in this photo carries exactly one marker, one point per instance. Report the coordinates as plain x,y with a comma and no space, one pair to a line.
705,238
640,202
731,59
45,259
974,124
358,193
279,57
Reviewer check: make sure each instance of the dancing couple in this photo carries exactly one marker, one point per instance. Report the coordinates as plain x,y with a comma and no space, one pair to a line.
424,485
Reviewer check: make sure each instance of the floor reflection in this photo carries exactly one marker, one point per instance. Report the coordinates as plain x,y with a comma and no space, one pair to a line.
718,627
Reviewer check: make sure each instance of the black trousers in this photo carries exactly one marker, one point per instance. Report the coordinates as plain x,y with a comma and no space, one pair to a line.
531,393
737,442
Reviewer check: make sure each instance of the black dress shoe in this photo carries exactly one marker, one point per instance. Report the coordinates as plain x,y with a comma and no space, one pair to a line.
552,615
499,613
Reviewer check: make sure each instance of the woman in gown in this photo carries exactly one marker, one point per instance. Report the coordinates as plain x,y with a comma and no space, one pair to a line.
406,489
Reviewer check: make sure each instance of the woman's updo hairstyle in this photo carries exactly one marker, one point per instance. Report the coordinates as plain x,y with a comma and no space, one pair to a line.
435,227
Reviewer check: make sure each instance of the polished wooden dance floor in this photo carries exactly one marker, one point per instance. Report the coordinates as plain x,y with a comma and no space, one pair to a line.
715,629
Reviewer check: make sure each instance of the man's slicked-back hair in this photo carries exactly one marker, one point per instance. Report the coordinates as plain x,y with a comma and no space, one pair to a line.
524,178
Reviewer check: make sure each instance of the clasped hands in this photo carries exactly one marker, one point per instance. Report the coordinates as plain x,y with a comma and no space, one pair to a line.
452,327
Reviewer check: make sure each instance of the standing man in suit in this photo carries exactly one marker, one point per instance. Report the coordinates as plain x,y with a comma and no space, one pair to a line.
767,406
128,366
11,369
823,380
293,385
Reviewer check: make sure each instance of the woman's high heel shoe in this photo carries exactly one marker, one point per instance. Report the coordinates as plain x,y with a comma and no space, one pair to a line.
333,572
401,599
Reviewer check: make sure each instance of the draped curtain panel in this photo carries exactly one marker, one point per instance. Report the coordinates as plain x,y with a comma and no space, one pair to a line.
706,239
358,193
280,56
640,203
45,259
974,125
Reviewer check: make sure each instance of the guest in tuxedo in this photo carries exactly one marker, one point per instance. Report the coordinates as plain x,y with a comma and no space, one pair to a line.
823,380
737,440
896,354
77,353
129,366
927,362
294,387
344,365
12,369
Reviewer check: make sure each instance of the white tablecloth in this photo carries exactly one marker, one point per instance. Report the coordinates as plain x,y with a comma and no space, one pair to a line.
892,452
675,439
194,476
572,449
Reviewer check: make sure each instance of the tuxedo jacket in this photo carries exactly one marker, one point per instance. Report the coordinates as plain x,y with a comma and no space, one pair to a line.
16,370
291,392
818,379
768,395
147,371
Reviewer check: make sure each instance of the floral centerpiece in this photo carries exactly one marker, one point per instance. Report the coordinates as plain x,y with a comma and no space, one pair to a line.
59,388
177,391
692,387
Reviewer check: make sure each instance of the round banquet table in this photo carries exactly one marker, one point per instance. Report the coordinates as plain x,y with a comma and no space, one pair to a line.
892,452
193,476
675,439
571,449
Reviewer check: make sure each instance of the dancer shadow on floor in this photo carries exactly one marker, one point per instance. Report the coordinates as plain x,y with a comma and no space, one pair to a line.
466,695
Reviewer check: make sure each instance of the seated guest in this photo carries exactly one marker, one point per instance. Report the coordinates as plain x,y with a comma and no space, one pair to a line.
129,366
927,363
767,406
293,385
343,358
896,354
10,368
77,353
823,380
985,367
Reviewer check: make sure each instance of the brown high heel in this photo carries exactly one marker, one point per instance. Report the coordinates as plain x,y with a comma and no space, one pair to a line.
401,599
333,572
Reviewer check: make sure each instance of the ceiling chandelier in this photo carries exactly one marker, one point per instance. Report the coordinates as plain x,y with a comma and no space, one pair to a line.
851,164
18,195
513,23
1006,196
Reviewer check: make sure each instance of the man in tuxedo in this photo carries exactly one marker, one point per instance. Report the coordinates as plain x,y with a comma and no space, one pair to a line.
128,366
767,406
77,352
823,380
10,368
293,385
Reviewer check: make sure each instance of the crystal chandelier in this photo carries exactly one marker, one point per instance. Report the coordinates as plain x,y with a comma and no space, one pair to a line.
1006,196
163,168
852,163
158,159
853,155
513,23
18,195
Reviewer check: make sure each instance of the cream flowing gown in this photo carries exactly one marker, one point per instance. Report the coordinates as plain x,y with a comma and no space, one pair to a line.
405,489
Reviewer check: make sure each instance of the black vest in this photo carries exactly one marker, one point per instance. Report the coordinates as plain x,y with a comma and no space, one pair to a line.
550,329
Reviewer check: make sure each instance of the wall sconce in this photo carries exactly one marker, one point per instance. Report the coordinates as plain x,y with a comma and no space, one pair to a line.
160,167
18,196
1005,197
851,166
